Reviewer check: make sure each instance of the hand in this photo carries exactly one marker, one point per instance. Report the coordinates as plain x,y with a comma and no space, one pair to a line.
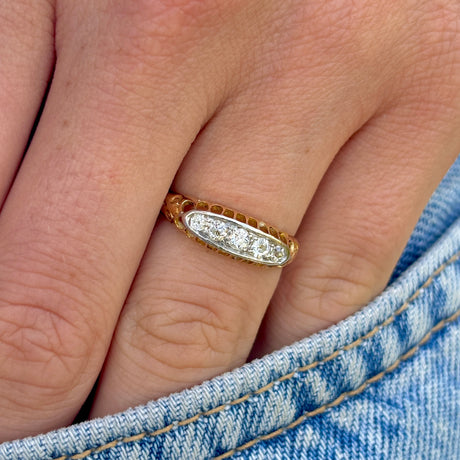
332,120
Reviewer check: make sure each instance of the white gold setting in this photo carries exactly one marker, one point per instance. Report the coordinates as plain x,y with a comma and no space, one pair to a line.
237,238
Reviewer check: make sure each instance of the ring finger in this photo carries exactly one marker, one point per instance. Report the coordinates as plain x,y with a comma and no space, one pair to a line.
192,314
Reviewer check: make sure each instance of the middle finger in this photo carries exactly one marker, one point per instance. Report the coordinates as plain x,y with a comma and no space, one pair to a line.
83,205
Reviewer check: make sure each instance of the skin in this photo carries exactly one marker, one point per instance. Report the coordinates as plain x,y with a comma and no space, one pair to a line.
334,121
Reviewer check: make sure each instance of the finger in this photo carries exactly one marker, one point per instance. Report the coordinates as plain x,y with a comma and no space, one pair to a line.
26,62
81,210
192,314
359,221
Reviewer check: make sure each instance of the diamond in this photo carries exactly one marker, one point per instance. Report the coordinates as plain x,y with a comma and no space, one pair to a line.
198,222
260,248
218,230
277,253
239,238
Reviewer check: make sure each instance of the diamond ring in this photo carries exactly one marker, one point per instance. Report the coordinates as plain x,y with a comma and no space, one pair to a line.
230,232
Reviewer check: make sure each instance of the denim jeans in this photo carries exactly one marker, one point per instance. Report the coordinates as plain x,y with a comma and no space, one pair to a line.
384,383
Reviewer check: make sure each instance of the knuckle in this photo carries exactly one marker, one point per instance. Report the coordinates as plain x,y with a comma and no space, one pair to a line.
344,25
173,23
42,354
433,70
16,16
45,340
192,326
156,9
441,23
139,46
336,282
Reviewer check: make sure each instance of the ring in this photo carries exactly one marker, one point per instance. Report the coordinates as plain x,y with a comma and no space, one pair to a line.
230,232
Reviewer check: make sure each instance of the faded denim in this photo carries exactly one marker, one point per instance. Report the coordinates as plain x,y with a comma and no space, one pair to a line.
382,384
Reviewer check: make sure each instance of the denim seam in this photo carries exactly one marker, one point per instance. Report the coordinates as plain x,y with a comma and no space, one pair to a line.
343,396
288,376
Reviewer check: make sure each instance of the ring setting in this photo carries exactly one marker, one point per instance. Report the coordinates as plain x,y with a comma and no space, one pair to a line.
230,232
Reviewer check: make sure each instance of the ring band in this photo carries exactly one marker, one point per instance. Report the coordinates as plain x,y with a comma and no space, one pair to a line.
230,232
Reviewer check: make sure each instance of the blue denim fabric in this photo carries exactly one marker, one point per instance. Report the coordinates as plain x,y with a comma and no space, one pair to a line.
384,383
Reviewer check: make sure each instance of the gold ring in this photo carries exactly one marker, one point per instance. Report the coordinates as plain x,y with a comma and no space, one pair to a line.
230,232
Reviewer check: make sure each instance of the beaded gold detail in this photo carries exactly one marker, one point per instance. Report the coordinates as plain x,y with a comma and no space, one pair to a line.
230,232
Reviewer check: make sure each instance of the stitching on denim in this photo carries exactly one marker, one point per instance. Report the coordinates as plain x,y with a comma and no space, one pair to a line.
288,376
343,396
